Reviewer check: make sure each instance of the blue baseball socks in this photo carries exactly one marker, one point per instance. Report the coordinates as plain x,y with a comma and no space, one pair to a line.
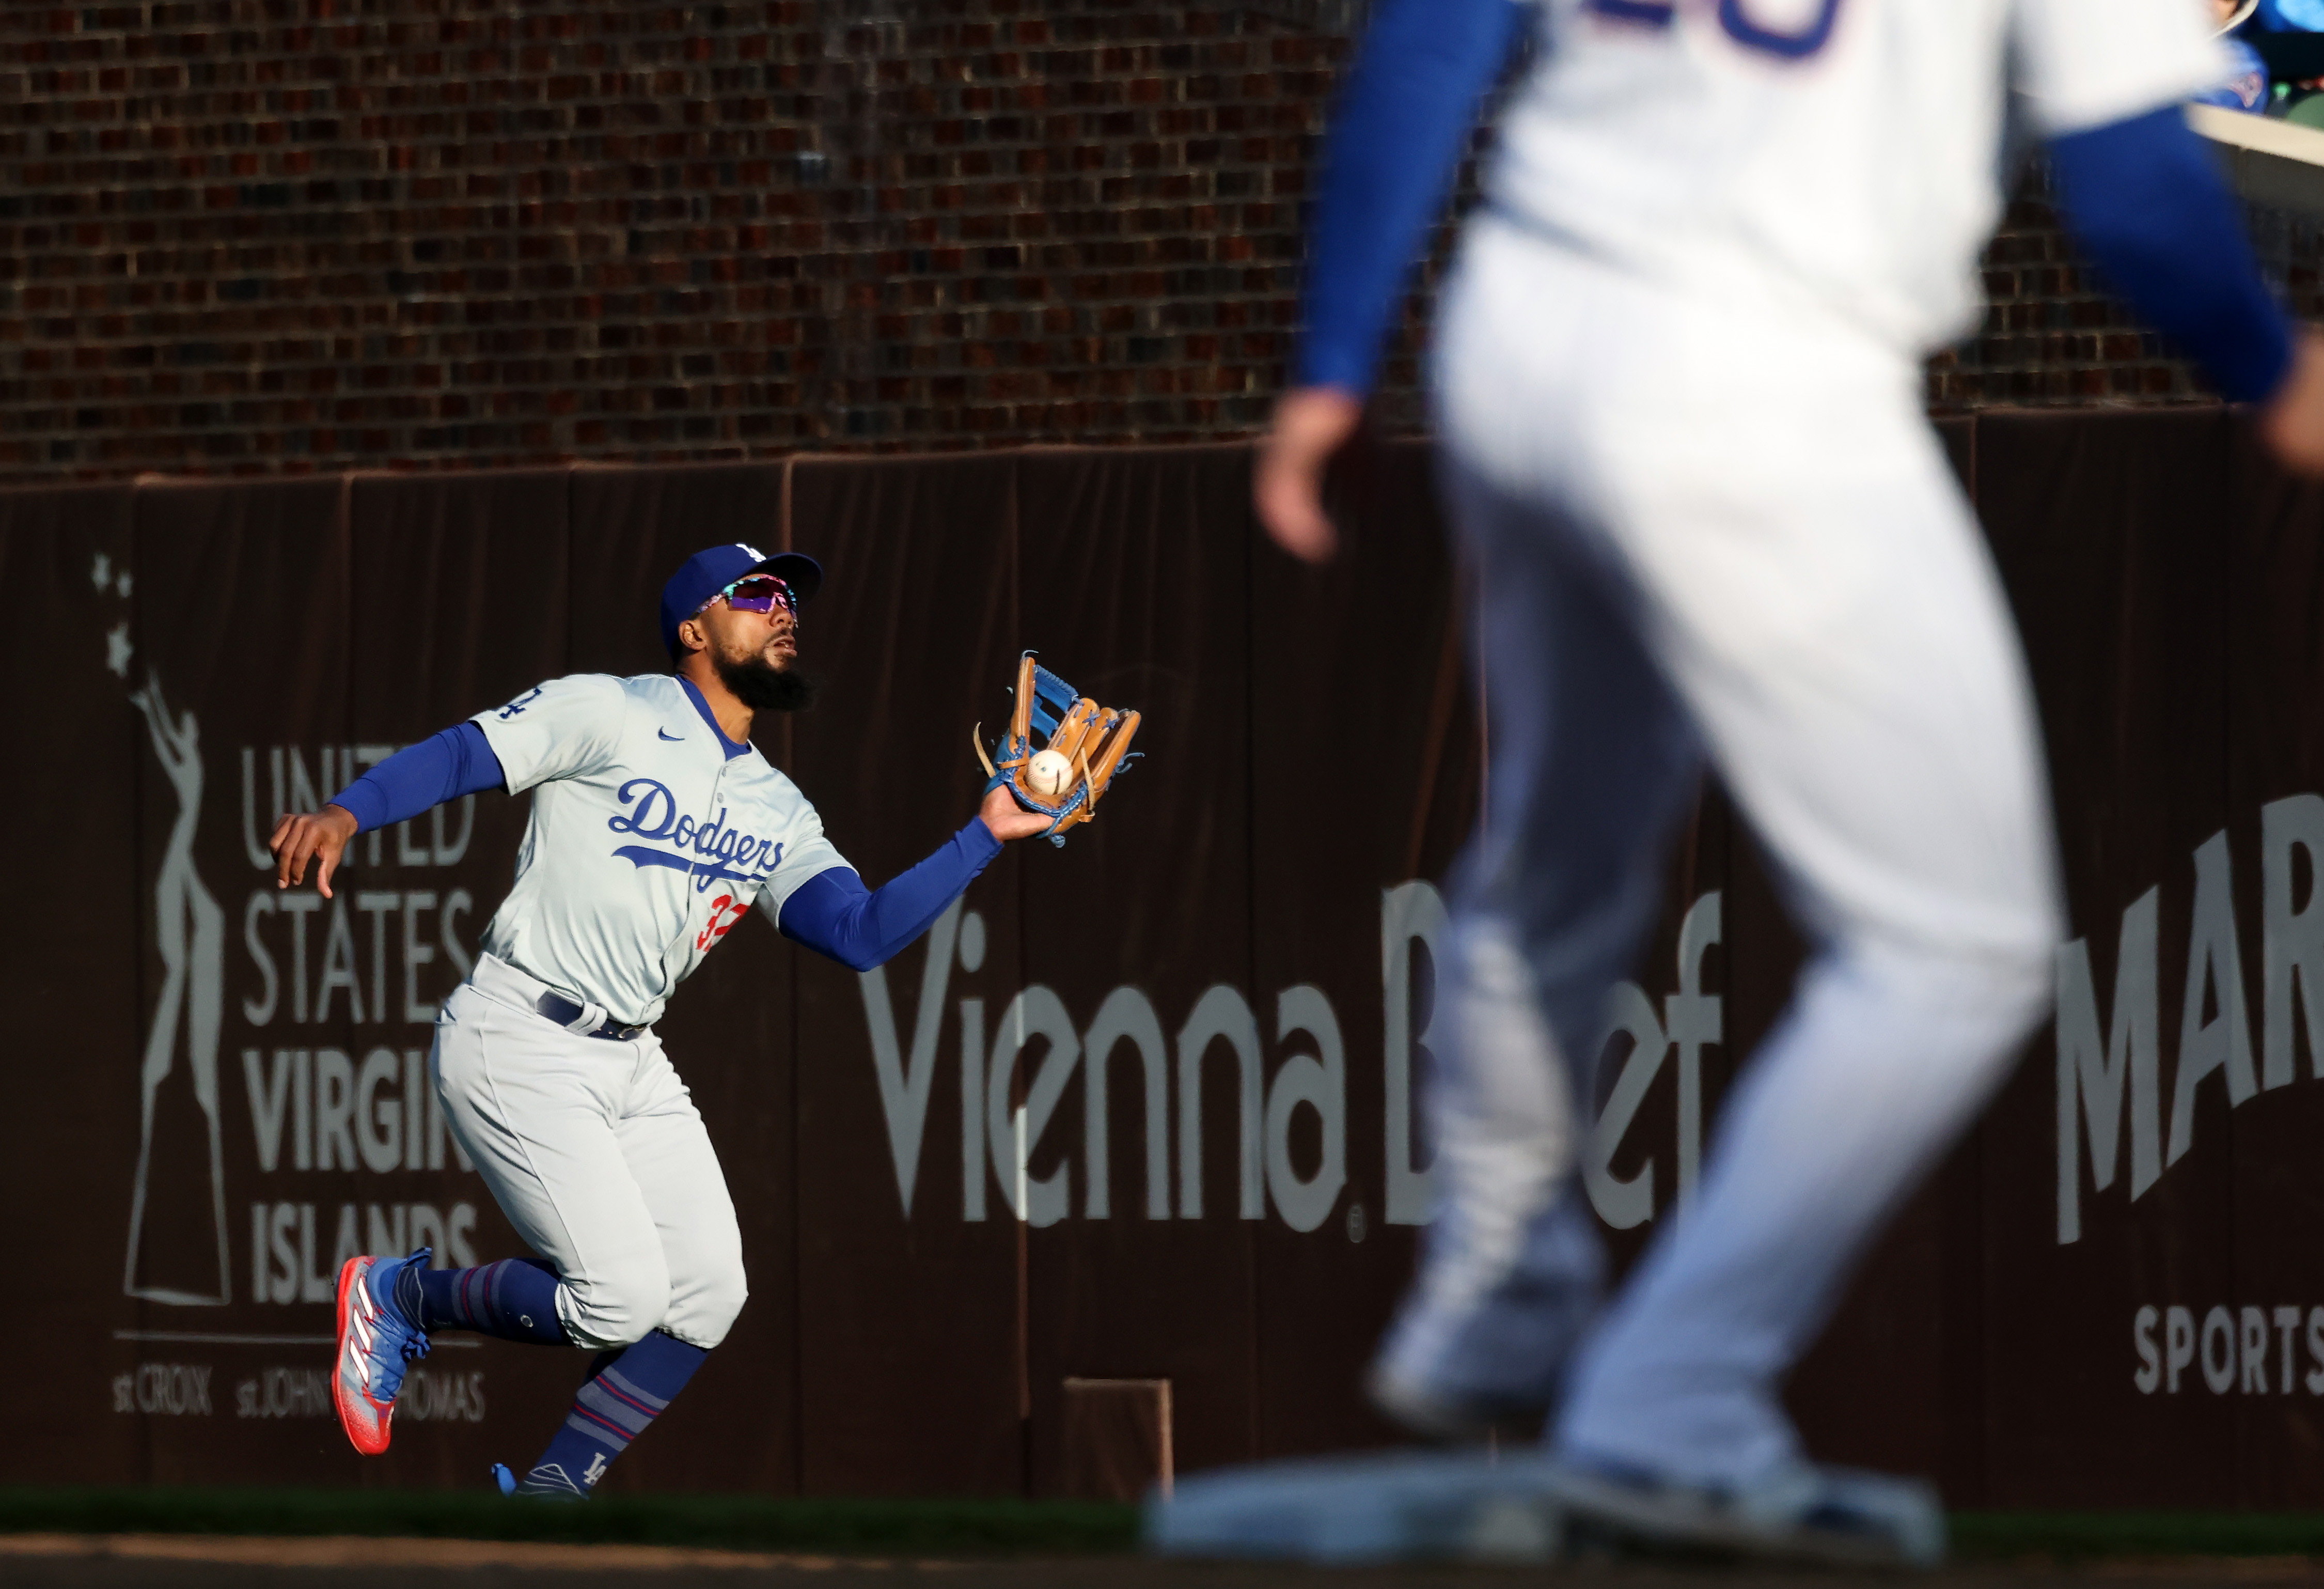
625,1391
514,1299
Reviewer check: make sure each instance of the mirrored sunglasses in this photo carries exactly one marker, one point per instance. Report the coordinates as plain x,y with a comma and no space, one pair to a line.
758,593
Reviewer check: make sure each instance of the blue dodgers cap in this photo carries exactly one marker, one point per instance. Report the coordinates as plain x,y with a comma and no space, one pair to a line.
706,573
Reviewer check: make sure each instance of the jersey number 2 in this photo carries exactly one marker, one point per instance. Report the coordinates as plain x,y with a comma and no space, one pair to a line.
1735,17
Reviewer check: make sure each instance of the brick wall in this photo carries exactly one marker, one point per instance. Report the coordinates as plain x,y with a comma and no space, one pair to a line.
286,234
2052,335
266,235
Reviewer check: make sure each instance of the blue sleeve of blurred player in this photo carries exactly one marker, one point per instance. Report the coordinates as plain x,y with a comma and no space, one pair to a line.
2145,197
1404,119
833,914
2245,86
457,761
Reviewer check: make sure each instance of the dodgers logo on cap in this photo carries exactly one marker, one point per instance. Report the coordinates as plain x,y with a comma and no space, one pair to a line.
706,573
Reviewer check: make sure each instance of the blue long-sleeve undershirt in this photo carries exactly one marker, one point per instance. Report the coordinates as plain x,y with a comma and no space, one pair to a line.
833,914
2145,197
442,767
1396,142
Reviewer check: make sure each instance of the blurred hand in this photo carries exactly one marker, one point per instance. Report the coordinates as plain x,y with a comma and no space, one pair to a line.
317,836
2293,422
1311,424
1007,818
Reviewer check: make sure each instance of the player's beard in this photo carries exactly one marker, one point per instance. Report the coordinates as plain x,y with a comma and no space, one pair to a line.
763,686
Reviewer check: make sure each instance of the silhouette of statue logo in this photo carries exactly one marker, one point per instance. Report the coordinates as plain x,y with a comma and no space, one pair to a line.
189,934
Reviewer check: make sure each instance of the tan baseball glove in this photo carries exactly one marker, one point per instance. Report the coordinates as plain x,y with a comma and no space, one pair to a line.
1091,744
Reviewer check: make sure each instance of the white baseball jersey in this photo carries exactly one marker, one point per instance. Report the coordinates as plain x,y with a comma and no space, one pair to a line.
1837,157
651,836
1682,428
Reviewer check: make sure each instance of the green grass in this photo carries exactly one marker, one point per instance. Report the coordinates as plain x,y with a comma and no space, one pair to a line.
735,1523
2081,1536
957,1527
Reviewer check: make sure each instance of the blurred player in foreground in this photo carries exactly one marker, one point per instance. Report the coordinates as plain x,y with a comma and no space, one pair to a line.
656,826
1678,400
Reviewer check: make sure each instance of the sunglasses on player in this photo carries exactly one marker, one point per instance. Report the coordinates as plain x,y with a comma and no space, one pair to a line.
756,593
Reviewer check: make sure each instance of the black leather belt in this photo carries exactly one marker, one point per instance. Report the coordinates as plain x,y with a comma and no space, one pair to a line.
564,1012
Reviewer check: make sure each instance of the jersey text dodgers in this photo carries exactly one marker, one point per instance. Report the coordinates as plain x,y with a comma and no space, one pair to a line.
651,836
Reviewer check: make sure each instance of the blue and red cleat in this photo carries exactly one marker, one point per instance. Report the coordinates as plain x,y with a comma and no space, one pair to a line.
377,1339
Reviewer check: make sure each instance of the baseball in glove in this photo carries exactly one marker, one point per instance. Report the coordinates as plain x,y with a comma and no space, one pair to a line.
1091,741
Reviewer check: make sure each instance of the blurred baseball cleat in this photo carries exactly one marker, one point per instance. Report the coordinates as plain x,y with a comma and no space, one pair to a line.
1481,1343
1836,1517
1387,1506
1435,1412
375,1341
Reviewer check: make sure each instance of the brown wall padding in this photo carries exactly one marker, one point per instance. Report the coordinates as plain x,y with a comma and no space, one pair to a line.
79,913
910,1326
1250,918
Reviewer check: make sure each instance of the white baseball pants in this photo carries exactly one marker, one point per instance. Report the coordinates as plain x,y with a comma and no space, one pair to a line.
1718,529
594,1152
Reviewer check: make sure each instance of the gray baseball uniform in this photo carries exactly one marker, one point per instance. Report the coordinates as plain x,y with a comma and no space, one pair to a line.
651,834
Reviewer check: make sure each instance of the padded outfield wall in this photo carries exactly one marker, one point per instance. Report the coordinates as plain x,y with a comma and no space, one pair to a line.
1142,1107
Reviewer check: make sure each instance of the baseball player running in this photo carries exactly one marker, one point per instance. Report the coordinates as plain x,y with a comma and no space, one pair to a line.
656,826
1677,389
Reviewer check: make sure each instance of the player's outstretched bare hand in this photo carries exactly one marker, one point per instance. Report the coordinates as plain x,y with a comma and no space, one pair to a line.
314,835
2293,422
1311,424
1007,818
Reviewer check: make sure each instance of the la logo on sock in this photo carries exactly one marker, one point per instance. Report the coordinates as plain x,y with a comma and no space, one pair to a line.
594,1471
